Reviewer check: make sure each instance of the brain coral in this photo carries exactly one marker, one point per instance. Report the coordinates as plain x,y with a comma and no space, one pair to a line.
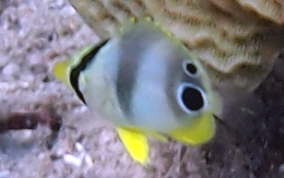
237,40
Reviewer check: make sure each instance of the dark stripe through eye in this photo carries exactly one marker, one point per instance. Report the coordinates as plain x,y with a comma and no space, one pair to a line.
192,98
75,72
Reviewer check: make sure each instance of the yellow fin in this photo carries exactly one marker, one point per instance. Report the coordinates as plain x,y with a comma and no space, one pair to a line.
136,144
61,71
158,136
200,131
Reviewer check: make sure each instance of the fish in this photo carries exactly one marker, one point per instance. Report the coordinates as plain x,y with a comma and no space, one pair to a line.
147,83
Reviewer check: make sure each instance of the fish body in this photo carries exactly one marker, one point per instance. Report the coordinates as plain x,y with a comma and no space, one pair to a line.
147,83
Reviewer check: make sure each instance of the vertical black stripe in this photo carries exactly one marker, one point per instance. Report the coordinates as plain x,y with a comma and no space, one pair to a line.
133,46
75,72
174,77
127,74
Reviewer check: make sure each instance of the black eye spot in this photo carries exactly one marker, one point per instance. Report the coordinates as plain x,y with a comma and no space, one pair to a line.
190,68
192,98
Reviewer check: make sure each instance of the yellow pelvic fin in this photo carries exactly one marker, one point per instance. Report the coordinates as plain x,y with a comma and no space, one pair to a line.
61,71
157,136
136,144
198,132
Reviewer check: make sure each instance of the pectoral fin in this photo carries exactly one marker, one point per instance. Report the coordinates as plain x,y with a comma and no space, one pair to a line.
136,144
198,132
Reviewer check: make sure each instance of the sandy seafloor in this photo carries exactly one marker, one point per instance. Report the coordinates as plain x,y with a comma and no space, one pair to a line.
36,33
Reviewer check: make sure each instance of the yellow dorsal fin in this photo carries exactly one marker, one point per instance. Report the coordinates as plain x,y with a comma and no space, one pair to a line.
198,132
136,144
61,70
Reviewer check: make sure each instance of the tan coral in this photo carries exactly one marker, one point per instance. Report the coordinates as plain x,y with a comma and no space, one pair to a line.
237,40
270,9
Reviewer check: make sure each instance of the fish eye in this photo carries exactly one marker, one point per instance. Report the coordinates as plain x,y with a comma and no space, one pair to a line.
189,68
190,98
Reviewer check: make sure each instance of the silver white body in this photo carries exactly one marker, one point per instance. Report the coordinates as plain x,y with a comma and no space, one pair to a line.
148,65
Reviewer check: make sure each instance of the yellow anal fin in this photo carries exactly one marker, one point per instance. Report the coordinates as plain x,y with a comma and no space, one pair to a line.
136,144
198,132
61,71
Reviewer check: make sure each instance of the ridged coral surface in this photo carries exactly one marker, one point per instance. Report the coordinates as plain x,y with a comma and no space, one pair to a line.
237,40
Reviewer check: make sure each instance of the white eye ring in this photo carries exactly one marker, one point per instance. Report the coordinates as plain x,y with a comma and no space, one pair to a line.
189,68
196,108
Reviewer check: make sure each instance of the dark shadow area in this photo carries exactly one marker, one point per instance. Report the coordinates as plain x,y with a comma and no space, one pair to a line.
250,139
